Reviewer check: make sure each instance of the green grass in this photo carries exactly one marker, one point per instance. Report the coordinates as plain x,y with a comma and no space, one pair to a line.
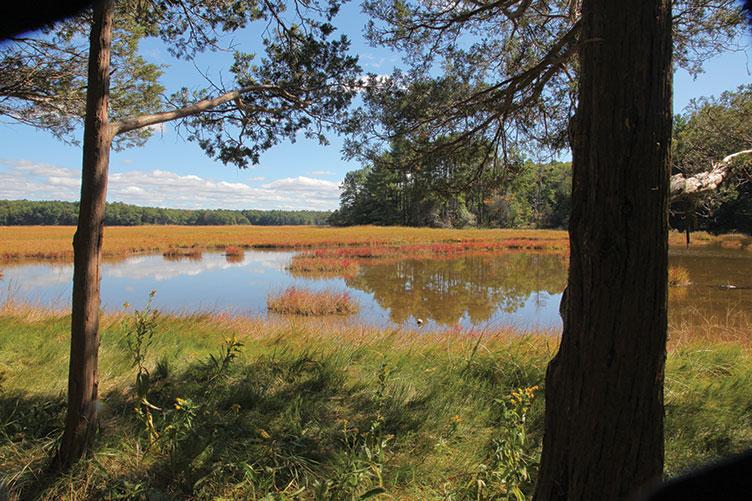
708,402
316,410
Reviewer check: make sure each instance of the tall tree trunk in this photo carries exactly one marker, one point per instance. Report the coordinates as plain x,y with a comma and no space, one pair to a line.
81,418
604,388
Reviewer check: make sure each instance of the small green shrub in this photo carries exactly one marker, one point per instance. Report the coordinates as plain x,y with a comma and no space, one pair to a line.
139,335
506,472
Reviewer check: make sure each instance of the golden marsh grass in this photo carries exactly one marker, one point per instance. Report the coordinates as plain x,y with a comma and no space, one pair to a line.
55,242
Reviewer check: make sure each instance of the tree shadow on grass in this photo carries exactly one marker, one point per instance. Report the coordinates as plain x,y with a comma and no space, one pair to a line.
277,424
29,430
280,424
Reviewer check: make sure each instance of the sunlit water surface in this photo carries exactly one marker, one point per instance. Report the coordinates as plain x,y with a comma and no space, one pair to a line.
518,289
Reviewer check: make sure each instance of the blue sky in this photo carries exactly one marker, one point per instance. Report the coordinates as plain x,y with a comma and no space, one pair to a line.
171,172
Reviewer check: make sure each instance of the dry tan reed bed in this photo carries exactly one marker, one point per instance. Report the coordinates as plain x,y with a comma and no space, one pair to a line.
54,242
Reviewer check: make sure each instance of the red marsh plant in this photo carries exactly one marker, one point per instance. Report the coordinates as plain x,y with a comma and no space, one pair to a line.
434,249
295,301
234,254
232,250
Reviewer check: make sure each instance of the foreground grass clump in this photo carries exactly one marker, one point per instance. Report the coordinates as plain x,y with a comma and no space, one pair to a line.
295,301
251,409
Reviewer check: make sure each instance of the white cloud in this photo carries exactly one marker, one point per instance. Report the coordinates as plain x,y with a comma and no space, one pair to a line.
162,188
40,169
134,190
64,181
302,183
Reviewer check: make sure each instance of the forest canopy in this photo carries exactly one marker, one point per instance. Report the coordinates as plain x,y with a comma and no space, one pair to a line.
27,212
407,186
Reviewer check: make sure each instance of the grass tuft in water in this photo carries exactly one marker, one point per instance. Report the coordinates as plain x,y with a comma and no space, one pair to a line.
295,301
179,253
305,265
678,276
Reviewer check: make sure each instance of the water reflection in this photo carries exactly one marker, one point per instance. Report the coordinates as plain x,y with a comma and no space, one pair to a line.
721,286
522,289
211,281
474,288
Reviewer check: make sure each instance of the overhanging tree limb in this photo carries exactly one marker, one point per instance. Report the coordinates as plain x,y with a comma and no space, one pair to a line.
139,122
686,187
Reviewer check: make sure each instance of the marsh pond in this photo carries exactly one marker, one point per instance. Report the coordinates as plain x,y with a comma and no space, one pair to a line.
519,289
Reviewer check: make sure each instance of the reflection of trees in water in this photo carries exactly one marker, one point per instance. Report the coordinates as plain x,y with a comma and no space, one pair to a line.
445,290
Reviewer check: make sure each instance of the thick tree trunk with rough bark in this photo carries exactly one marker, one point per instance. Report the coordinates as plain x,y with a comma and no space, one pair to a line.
604,388
81,418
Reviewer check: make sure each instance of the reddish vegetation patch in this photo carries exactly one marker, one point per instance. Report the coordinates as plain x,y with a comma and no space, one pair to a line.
294,301
435,249
232,250
234,254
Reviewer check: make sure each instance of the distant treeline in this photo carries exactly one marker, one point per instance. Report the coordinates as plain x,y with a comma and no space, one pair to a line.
27,212
453,194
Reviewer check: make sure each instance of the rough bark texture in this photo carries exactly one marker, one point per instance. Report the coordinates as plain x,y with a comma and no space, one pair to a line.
81,419
604,388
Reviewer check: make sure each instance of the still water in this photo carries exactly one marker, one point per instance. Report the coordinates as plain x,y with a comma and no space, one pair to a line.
520,289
